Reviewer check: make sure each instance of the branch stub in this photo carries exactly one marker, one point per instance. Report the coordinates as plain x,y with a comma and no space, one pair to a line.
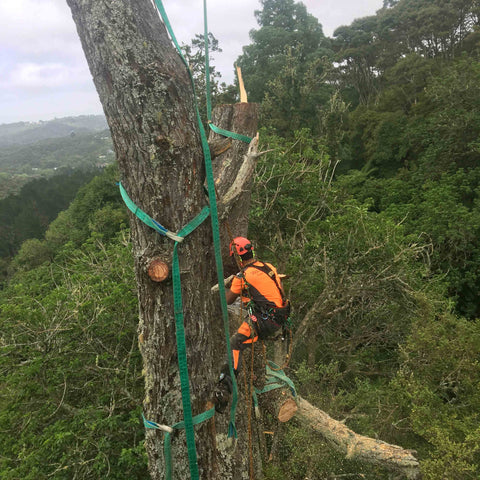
158,270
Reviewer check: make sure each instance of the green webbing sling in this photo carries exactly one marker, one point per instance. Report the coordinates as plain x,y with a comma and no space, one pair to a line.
275,378
167,446
181,345
144,217
215,221
220,131
188,421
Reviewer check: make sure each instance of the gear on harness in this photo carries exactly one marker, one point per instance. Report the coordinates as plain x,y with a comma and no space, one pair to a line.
266,316
267,308
222,393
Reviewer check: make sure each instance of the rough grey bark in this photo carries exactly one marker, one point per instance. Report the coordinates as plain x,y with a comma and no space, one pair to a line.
148,101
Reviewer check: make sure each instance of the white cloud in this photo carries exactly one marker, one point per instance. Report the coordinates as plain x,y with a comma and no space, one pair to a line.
41,53
335,13
31,107
42,27
45,76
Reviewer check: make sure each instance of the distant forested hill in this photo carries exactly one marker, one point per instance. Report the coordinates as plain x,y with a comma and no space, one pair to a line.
75,151
42,166
25,133
32,150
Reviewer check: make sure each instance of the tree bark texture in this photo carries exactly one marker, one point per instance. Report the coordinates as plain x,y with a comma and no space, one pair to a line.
233,171
148,101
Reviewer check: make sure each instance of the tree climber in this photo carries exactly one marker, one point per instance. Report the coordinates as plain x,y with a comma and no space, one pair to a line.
267,309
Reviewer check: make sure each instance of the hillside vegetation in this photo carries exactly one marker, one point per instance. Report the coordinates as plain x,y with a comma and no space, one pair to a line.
42,166
25,133
39,150
368,199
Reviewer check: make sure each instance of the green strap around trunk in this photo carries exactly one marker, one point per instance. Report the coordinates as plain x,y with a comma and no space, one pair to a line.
167,446
188,421
220,131
215,222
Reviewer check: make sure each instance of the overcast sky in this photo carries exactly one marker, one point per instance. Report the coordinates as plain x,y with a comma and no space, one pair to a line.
44,74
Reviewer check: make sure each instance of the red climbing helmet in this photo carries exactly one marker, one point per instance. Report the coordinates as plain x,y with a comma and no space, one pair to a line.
241,245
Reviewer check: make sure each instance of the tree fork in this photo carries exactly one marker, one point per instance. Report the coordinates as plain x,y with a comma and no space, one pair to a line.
148,101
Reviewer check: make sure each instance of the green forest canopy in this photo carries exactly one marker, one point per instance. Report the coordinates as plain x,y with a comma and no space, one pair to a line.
373,182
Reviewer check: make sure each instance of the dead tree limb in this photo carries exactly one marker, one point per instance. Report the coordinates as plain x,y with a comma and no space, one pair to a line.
355,446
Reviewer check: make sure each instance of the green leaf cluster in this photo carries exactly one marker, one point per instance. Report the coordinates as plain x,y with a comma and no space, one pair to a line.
28,214
71,384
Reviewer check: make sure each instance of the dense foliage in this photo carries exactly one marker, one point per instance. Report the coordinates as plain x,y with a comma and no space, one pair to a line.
368,199
378,229
71,384
28,214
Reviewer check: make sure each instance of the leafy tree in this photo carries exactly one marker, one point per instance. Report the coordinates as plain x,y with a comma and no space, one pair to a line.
357,55
443,212
70,389
431,28
195,56
405,82
446,122
285,64
97,207
293,99
437,386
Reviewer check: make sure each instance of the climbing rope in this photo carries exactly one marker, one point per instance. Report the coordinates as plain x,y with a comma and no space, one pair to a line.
249,405
214,219
220,131
179,320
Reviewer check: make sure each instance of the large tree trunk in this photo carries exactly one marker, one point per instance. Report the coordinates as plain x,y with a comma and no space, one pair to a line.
148,101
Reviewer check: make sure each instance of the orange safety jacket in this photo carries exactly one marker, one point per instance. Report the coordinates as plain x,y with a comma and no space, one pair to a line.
259,282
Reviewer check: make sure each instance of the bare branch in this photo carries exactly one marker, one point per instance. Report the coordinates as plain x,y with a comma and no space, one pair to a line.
355,446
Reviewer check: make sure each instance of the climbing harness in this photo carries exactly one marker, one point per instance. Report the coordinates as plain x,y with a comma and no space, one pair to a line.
268,316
